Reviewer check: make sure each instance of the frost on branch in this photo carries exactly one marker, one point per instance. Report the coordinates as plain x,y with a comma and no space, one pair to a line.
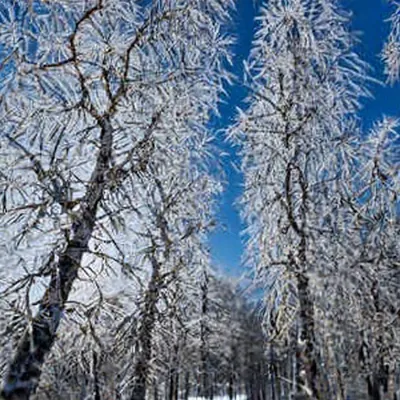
105,186
391,51
305,86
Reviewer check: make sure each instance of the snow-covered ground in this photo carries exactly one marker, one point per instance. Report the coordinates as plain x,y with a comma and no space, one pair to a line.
240,397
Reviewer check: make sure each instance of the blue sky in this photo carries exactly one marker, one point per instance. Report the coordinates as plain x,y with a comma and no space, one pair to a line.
369,23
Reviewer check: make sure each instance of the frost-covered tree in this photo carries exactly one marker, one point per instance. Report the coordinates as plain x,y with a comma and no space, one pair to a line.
305,83
373,265
95,358
104,107
391,51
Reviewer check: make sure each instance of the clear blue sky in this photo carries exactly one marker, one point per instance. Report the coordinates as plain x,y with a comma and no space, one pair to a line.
369,22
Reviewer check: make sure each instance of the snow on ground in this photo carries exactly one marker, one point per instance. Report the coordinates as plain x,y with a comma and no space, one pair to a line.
240,397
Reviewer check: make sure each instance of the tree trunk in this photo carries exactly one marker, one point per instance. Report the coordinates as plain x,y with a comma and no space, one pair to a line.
308,371
274,376
174,371
187,385
145,334
25,368
379,377
373,388
96,381
205,386
155,390
230,386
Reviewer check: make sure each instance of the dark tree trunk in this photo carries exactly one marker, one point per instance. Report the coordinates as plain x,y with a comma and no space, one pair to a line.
145,334
274,374
176,387
307,335
97,388
25,368
307,371
205,384
373,388
230,386
187,385
173,384
379,377
174,373
378,382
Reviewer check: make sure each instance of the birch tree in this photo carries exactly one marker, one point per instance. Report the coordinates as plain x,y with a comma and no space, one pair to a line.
305,84
95,97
